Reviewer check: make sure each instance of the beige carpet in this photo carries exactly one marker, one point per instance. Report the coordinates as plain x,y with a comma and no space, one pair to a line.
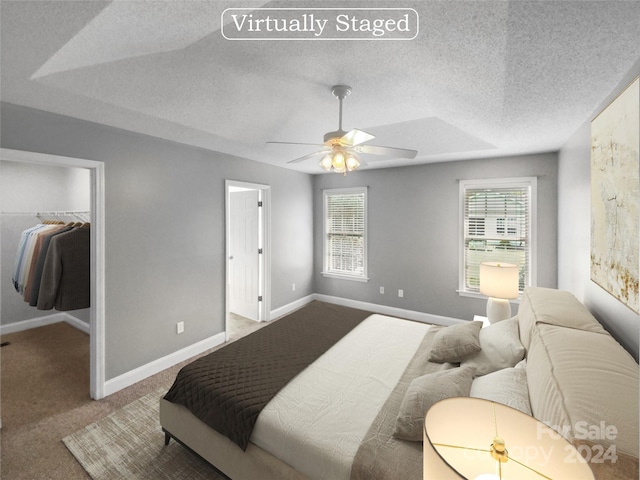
56,356
129,444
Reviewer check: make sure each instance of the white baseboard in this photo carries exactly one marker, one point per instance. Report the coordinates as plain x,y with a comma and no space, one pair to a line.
372,307
133,376
286,309
77,323
386,310
43,321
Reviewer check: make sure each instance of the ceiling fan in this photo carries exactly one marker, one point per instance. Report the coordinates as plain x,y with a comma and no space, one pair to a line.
340,149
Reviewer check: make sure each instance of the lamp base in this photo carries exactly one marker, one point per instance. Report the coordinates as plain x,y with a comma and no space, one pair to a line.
498,309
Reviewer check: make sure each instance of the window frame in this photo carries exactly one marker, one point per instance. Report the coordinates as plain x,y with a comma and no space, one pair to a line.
326,271
515,182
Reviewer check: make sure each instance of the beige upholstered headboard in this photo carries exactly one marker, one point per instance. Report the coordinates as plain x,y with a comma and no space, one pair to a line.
581,381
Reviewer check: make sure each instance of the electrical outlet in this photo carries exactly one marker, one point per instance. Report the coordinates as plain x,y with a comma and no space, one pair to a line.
381,290
180,327
293,287
401,293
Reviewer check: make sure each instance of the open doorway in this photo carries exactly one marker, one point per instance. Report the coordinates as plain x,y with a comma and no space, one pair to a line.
96,315
247,252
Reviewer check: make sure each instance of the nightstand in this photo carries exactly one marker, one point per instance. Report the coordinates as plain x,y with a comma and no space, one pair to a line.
480,318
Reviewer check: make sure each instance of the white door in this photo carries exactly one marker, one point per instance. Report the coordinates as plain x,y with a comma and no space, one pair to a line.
244,258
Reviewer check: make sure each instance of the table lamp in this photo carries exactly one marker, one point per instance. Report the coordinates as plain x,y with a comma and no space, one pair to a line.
499,281
478,439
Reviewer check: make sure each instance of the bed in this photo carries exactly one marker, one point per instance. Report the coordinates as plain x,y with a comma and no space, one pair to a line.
350,409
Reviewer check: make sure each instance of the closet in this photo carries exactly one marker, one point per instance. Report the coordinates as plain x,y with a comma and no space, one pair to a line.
34,194
31,195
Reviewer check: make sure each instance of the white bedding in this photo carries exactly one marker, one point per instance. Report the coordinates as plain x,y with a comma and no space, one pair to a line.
301,424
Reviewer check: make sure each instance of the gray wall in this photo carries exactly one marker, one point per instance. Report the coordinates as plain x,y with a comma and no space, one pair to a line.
164,230
34,188
574,217
413,228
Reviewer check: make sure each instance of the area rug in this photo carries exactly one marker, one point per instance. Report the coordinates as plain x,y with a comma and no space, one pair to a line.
129,444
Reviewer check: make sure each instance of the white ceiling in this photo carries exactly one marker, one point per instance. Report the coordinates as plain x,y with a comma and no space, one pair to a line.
482,79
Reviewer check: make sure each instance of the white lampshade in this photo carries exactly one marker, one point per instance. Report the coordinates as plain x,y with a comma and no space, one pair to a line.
499,280
477,439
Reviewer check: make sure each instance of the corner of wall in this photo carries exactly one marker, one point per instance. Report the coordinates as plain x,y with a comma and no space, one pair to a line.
574,232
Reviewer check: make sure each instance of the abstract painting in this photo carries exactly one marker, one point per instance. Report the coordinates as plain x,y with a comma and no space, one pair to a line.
615,164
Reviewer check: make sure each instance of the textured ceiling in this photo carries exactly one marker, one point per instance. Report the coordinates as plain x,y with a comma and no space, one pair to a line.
482,78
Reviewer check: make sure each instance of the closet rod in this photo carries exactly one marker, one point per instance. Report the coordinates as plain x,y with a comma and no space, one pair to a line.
84,216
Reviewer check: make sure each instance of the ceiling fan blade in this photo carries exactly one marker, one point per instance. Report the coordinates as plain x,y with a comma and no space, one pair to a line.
297,143
388,151
307,157
355,137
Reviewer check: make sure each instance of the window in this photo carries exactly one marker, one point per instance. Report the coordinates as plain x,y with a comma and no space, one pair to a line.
497,225
345,228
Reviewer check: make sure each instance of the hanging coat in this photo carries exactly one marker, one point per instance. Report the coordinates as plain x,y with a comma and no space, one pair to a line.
65,283
37,273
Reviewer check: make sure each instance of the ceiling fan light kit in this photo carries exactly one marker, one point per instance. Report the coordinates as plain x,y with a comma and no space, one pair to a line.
340,148
340,161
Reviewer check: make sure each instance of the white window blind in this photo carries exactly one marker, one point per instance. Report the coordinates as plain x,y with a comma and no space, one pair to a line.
497,227
345,230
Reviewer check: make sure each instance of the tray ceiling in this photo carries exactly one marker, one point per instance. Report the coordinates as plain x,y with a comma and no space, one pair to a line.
482,78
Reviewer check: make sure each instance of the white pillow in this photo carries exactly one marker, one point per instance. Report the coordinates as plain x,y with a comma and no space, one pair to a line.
500,348
507,386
